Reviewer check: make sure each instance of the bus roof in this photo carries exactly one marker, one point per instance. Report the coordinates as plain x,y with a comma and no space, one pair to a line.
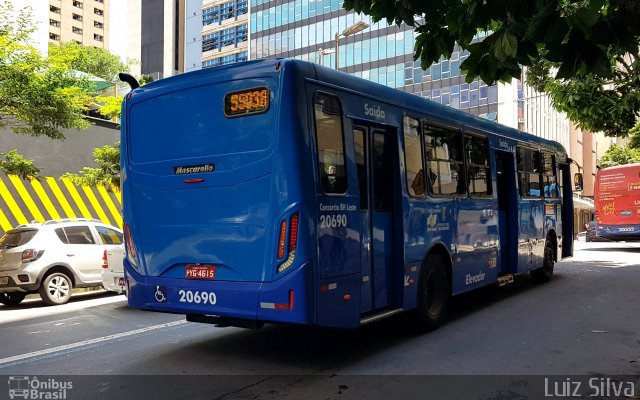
620,167
344,81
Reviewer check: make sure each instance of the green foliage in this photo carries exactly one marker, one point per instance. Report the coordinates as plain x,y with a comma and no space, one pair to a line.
578,36
108,171
584,53
610,105
110,106
93,61
37,97
15,164
617,155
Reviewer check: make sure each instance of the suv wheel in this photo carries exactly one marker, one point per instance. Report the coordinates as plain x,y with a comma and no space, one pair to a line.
56,289
12,298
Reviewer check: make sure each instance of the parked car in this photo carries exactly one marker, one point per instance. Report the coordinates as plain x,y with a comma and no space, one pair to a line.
592,228
113,270
52,258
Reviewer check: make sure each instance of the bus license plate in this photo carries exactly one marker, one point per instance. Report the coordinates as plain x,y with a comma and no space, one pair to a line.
200,271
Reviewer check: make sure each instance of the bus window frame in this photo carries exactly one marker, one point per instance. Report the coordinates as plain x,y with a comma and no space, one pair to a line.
344,144
468,164
519,172
429,186
553,172
425,186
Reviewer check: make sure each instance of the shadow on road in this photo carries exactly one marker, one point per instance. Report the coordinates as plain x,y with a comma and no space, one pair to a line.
35,301
282,348
613,249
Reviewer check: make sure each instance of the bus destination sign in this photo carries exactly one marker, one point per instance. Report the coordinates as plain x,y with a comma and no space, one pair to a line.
246,102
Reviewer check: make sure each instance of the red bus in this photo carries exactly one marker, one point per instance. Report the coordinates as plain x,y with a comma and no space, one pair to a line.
617,202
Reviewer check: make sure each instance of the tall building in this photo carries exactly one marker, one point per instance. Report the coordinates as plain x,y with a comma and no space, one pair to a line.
216,33
307,29
156,36
81,21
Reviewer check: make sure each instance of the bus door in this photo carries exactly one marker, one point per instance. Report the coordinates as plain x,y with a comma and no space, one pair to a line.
374,160
507,212
566,215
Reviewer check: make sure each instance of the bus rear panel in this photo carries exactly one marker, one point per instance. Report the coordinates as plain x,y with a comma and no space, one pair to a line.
210,213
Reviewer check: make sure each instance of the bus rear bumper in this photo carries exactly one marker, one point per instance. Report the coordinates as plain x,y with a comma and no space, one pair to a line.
288,299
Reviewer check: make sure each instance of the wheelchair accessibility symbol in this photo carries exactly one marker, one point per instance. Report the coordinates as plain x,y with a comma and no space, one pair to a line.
161,294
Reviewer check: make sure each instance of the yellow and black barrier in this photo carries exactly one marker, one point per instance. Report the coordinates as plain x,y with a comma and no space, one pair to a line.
24,201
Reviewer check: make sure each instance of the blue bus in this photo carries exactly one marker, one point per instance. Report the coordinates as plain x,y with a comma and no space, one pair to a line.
284,192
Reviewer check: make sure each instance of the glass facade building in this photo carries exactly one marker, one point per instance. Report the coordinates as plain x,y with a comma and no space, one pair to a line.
306,29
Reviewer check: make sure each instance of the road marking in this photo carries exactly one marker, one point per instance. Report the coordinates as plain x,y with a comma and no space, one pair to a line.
21,357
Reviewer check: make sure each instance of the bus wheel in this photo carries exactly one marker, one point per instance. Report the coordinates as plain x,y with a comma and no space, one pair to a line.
433,294
544,274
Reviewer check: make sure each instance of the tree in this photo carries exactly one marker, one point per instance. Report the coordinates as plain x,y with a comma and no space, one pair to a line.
579,35
111,106
591,46
599,104
43,96
91,60
617,155
108,171
37,97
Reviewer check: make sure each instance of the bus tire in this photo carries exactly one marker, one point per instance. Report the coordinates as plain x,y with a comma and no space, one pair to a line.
433,294
544,274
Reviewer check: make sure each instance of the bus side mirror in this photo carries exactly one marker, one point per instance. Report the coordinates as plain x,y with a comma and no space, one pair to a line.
577,181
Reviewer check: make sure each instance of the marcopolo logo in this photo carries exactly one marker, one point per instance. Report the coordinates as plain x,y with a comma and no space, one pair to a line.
24,387
194,169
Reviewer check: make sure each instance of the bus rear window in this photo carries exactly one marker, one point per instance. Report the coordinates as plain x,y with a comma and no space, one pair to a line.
191,123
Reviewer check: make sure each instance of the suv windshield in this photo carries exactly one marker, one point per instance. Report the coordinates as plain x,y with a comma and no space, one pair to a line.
17,238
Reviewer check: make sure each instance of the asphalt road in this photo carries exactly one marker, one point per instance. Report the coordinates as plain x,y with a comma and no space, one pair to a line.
518,341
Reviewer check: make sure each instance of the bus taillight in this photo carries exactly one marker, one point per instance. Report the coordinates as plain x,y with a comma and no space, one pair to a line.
293,239
130,247
293,242
282,240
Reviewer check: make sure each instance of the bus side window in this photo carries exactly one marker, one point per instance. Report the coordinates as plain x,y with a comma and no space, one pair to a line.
478,169
529,172
413,157
330,142
549,175
443,149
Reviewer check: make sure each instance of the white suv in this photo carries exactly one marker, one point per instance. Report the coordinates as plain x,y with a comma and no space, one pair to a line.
53,257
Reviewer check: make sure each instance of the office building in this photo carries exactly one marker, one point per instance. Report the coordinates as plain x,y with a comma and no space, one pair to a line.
216,33
81,21
306,29
156,37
